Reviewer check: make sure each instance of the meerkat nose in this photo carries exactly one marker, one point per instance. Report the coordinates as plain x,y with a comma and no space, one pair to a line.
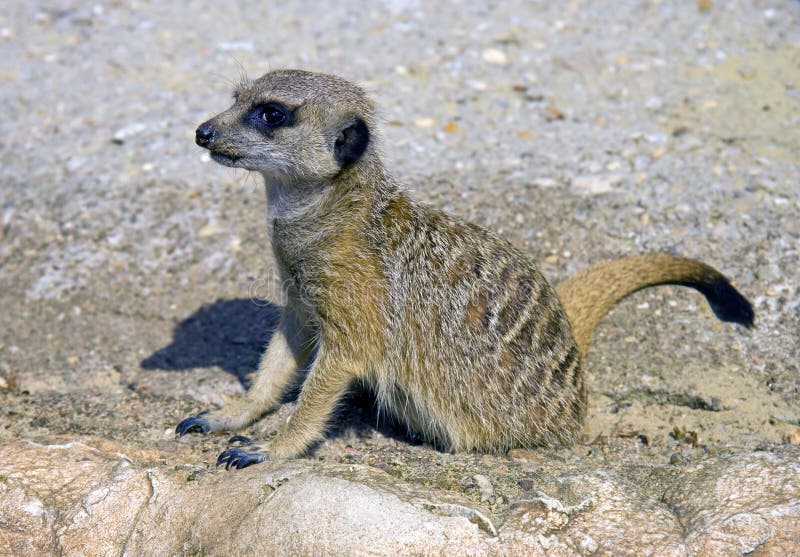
204,134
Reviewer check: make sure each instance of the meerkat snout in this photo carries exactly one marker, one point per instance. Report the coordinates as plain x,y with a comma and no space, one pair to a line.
204,134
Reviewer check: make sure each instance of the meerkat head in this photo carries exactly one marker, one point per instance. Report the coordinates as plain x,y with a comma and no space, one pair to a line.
292,125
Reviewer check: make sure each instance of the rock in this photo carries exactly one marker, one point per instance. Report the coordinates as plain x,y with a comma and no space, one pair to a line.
485,486
128,131
93,497
424,122
494,56
596,184
90,501
739,504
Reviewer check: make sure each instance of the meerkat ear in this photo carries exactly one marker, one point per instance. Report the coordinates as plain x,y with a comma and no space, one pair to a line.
351,142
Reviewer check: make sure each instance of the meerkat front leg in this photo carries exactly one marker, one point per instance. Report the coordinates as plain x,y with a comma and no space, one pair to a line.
329,378
289,348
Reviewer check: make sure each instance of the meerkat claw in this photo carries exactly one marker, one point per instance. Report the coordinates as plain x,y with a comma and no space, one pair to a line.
195,424
240,458
239,439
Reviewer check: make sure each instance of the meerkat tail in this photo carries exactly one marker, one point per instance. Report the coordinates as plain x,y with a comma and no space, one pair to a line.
589,294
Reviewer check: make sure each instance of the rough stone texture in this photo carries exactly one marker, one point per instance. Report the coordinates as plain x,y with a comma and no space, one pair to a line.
88,497
135,273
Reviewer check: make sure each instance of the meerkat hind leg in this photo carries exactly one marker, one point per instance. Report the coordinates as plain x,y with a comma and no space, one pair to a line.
288,349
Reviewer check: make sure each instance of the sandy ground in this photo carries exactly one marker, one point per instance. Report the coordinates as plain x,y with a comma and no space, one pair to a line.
136,278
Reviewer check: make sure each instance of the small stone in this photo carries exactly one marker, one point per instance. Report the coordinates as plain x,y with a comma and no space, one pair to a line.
527,485
545,182
709,104
451,127
704,5
485,486
74,163
494,56
128,131
552,112
228,46
526,135
597,183
424,122
794,438
208,230
747,72
654,103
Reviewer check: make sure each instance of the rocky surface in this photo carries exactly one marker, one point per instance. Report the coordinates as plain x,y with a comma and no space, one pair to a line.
89,497
137,285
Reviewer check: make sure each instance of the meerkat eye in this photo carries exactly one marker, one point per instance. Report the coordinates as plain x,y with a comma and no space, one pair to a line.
274,115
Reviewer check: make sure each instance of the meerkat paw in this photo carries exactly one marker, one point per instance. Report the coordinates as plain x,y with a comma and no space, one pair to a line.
194,424
208,421
242,457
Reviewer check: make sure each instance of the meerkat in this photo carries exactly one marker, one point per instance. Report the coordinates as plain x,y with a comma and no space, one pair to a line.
457,333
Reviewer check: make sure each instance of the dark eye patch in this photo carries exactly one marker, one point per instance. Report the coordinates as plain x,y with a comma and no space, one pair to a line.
269,116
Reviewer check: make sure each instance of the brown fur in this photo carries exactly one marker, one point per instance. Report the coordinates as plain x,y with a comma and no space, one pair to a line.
458,333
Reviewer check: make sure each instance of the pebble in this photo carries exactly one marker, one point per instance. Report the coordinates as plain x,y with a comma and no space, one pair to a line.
526,484
654,103
208,230
227,46
494,56
485,487
424,122
545,182
128,131
597,184
747,72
